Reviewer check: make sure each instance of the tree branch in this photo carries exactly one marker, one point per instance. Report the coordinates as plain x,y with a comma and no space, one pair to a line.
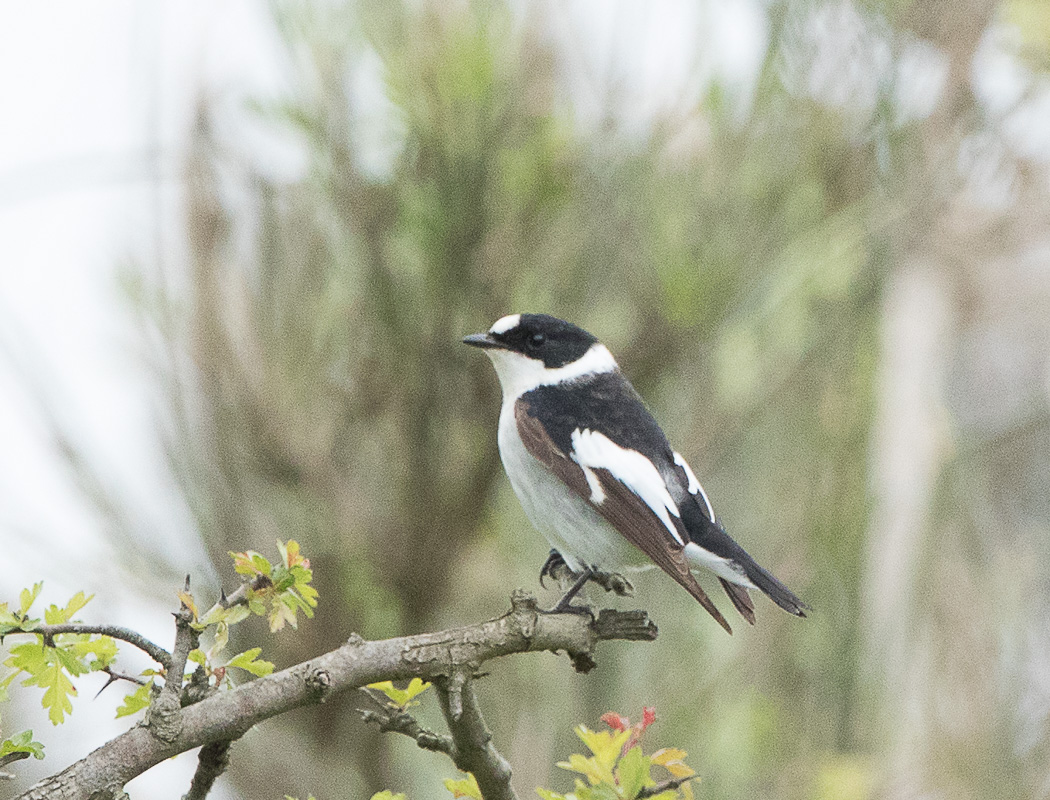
165,711
473,750
156,652
212,761
227,715
404,723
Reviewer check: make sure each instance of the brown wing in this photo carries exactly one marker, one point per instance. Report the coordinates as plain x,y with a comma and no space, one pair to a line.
622,508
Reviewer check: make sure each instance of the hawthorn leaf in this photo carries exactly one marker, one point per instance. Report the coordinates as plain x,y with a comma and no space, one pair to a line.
467,787
136,701
633,772
248,662
28,597
22,743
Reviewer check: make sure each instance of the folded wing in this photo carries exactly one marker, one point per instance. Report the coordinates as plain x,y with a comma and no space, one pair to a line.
617,485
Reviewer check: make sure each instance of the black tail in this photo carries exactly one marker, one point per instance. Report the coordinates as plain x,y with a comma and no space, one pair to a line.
711,536
774,589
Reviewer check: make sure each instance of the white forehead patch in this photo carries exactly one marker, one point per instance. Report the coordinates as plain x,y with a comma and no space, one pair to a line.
505,323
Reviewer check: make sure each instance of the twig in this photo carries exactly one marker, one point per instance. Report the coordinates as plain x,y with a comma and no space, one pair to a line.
165,711
402,722
473,750
115,676
212,761
229,714
10,758
663,786
156,652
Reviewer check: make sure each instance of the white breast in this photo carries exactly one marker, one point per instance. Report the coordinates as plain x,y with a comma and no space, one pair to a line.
572,527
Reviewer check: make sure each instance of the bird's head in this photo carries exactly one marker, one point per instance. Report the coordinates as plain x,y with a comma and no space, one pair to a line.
530,350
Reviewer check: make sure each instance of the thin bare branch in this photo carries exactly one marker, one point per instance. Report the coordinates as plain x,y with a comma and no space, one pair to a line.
394,721
663,786
156,652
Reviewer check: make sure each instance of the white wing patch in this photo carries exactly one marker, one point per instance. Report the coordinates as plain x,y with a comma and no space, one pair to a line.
597,492
593,450
694,485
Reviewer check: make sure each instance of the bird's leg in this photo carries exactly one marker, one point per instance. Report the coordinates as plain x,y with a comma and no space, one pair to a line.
556,569
565,604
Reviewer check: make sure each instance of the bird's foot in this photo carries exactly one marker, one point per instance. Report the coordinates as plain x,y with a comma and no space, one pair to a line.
614,582
565,606
556,569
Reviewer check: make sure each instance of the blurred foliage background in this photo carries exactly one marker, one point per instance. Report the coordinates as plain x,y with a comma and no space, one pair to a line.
829,274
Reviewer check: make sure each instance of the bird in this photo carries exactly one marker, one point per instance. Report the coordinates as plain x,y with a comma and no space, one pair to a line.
596,475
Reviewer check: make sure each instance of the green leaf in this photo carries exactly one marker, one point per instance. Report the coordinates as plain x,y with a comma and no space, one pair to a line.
231,615
416,687
282,613
605,745
28,597
29,657
602,791
57,691
247,661
386,794
77,602
136,701
8,621
467,787
22,743
222,637
546,794
57,616
633,771
401,698
104,650
197,656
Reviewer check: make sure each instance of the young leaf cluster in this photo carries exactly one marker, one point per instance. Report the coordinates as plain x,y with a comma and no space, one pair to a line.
275,591
51,660
48,662
278,591
618,769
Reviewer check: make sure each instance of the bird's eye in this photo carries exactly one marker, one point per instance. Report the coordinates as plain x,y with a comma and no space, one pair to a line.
535,341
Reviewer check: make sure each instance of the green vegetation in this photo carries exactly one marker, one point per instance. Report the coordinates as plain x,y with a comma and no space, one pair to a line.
819,275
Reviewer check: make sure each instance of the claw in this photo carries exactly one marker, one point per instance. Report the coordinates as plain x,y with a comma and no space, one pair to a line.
554,568
565,605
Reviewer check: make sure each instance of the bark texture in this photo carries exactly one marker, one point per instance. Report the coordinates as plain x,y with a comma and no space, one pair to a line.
446,656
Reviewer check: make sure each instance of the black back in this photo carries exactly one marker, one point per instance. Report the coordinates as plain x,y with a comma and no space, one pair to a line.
606,403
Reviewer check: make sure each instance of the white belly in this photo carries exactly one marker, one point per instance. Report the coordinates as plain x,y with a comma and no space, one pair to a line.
572,527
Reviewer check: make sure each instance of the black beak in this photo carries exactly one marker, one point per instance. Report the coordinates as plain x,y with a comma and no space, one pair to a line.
481,340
